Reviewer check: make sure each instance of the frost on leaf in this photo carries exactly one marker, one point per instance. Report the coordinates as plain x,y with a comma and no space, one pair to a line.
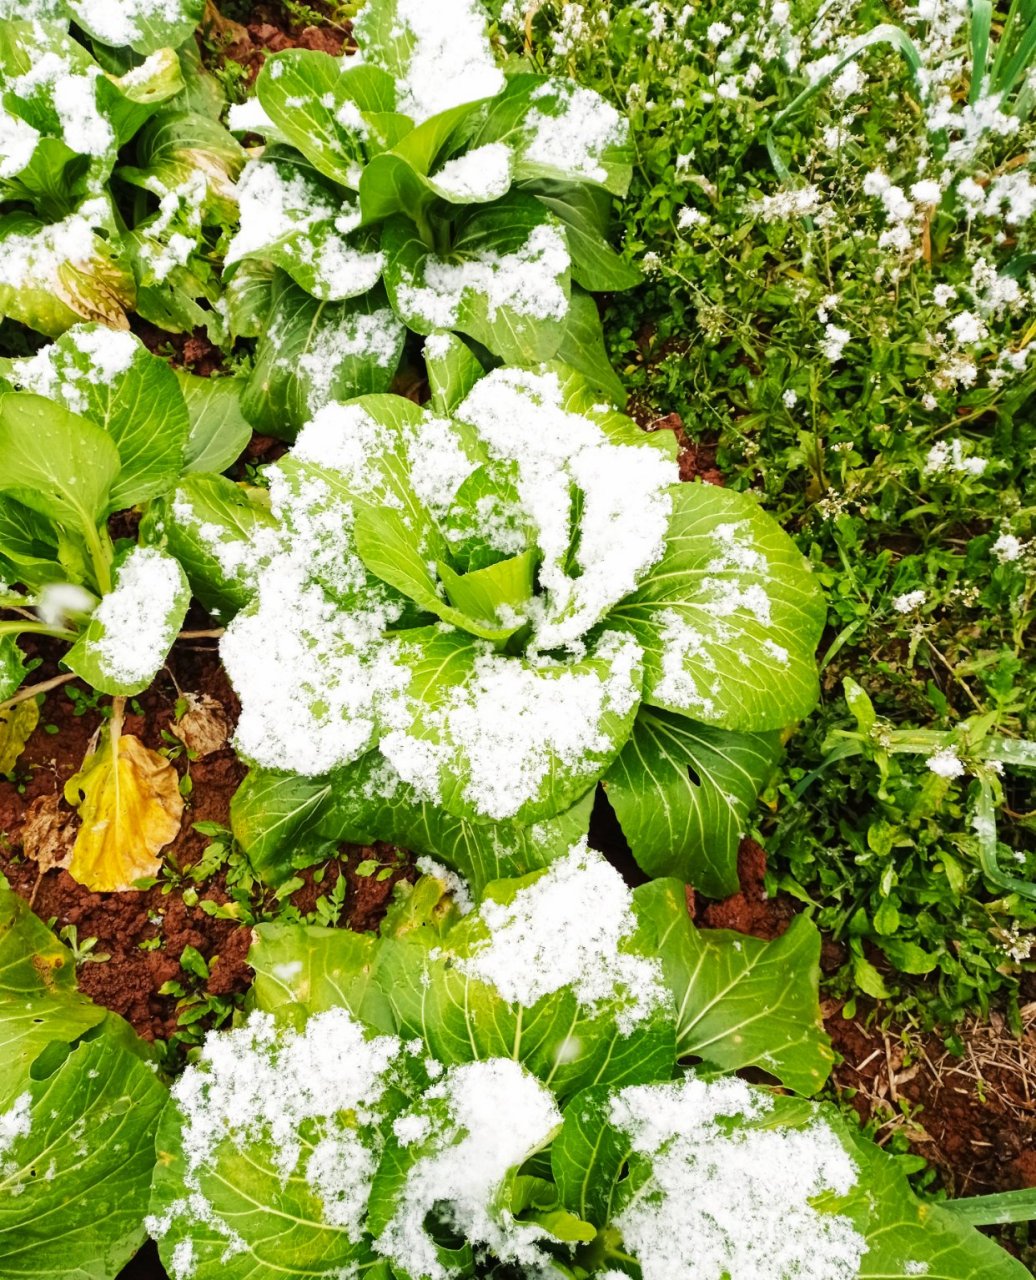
727,1193
471,1128
299,1114
440,54
571,927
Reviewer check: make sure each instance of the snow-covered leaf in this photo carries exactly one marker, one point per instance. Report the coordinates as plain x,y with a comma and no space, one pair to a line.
210,524
130,633
110,378
313,352
292,218
324,110
145,25
55,274
505,281
495,737
729,618
438,58
561,131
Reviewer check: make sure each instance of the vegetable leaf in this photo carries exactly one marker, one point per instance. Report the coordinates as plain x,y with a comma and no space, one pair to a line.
682,791
740,1001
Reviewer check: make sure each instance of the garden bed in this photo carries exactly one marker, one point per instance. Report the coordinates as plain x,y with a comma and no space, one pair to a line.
506,698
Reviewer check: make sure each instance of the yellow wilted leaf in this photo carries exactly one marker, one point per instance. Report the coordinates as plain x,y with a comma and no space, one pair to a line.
130,807
16,726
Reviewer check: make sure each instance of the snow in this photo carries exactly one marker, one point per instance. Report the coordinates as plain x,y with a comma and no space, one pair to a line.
531,281
450,60
496,1115
343,271
17,143
121,22
74,96
733,1203
437,346
439,463
686,658
15,1123
567,929
515,726
342,334
482,174
946,763
274,202
98,355
33,258
627,501
58,600
137,617
333,672
249,117
346,439
573,133
153,65
453,884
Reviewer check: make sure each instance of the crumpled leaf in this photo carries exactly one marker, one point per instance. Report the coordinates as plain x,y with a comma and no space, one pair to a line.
130,805
48,834
16,726
204,727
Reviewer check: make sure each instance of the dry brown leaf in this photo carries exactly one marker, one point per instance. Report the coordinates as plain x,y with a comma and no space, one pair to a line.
48,833
16,726
130,807
204,727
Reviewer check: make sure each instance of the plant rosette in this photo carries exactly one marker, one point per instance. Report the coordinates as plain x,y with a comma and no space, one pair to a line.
503,1092
79,1104
74,245
99,425
417,186
452,622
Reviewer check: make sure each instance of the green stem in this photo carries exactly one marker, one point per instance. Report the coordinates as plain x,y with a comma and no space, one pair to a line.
100,556
35,628
425,228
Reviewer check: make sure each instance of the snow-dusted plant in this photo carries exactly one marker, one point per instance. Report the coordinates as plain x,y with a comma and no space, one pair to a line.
79,1104
454,621
126,104
98,425
505,1093
416,186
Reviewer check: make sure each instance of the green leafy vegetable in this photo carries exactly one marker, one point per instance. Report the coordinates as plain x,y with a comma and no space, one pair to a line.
450,628
473,197
77,245
79,1104
99,425
459,1088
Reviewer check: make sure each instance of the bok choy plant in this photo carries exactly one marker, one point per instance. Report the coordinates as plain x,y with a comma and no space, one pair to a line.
79,1104
98,425
116,176
416,186
448,624
507,1092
